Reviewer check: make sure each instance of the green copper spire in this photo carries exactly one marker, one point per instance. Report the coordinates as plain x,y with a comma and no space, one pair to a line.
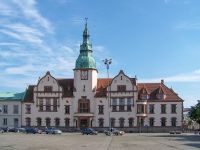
85,59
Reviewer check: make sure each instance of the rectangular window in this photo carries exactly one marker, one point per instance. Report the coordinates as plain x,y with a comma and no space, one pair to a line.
84,107
121,88
48,88
141,109
129,101
121,101
151,109
55,105
173,108
16,122
48,105
5,109
114,101
173,122
40,105
163,108
114,108
28,108
163,122
129,104
128,107
101,109
121,108
5,120
67,109
151,122
15,109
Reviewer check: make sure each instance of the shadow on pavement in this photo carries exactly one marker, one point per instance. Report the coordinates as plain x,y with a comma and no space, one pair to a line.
189,140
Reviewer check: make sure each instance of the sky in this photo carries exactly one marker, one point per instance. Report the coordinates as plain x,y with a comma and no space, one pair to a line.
150,39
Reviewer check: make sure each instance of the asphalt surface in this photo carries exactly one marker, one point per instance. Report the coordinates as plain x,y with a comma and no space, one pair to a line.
76,141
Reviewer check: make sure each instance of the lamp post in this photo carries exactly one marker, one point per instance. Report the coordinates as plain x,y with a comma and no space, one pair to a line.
107,62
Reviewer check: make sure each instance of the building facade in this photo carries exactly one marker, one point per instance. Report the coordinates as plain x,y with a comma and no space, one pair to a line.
10,109
89,101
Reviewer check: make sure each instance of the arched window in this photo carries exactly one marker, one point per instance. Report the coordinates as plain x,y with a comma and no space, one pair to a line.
121,122
39,122
112,122
163,122
84,106
57,121
130,122
67,122
151,122
101,122
28,121
48,122
173,121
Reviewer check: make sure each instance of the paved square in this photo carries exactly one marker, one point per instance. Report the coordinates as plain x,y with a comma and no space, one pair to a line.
76,141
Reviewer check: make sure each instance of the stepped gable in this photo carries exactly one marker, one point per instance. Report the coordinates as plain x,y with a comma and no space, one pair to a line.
155,88
28,97
67,86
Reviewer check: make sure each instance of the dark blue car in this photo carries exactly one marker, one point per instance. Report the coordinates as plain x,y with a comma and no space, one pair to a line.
32,130
89,131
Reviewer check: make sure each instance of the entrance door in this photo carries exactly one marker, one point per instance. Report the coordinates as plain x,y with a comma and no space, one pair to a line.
84,123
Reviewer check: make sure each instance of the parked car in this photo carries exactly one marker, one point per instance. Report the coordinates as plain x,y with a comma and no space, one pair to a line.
23,130
33,130
174,132
89,131
117,132
114,132
12,129
5,129
53,131
107,132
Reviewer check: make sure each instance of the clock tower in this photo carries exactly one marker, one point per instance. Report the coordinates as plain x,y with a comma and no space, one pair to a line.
85,72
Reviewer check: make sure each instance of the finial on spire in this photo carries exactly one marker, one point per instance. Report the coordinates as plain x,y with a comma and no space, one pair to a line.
86,20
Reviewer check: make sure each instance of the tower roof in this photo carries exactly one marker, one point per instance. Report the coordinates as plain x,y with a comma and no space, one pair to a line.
85,59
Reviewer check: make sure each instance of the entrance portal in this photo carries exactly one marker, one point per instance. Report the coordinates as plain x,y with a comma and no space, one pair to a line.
84,123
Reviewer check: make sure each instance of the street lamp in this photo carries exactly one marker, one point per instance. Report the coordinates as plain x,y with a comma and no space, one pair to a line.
107,62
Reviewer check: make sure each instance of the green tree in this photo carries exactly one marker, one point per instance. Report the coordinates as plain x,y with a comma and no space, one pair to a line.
194,113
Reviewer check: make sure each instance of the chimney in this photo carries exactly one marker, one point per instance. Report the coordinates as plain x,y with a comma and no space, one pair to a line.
162,81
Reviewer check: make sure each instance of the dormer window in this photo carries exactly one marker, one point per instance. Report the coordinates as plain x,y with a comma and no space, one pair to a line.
144,96
161,96
121,88
48,88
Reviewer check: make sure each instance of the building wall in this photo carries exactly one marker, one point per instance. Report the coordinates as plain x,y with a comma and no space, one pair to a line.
89,93
10,115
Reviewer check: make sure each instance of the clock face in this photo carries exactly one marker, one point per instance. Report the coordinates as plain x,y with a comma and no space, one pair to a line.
84,75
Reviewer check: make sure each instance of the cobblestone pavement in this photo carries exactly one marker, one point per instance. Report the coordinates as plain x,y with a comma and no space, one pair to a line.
76,141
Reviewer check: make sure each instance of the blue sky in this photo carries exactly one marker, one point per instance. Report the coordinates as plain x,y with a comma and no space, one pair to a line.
152,39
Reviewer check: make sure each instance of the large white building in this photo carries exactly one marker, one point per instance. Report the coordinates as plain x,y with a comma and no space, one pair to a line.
84,101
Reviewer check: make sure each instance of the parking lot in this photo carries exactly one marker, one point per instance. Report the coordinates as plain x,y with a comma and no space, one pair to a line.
76,141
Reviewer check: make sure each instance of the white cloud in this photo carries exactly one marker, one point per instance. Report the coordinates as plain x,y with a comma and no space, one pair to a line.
9,44
188,25
28,47
177,1
185,77
29,10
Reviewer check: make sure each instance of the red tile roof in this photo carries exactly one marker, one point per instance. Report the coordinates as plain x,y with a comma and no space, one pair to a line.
155,88
102,83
